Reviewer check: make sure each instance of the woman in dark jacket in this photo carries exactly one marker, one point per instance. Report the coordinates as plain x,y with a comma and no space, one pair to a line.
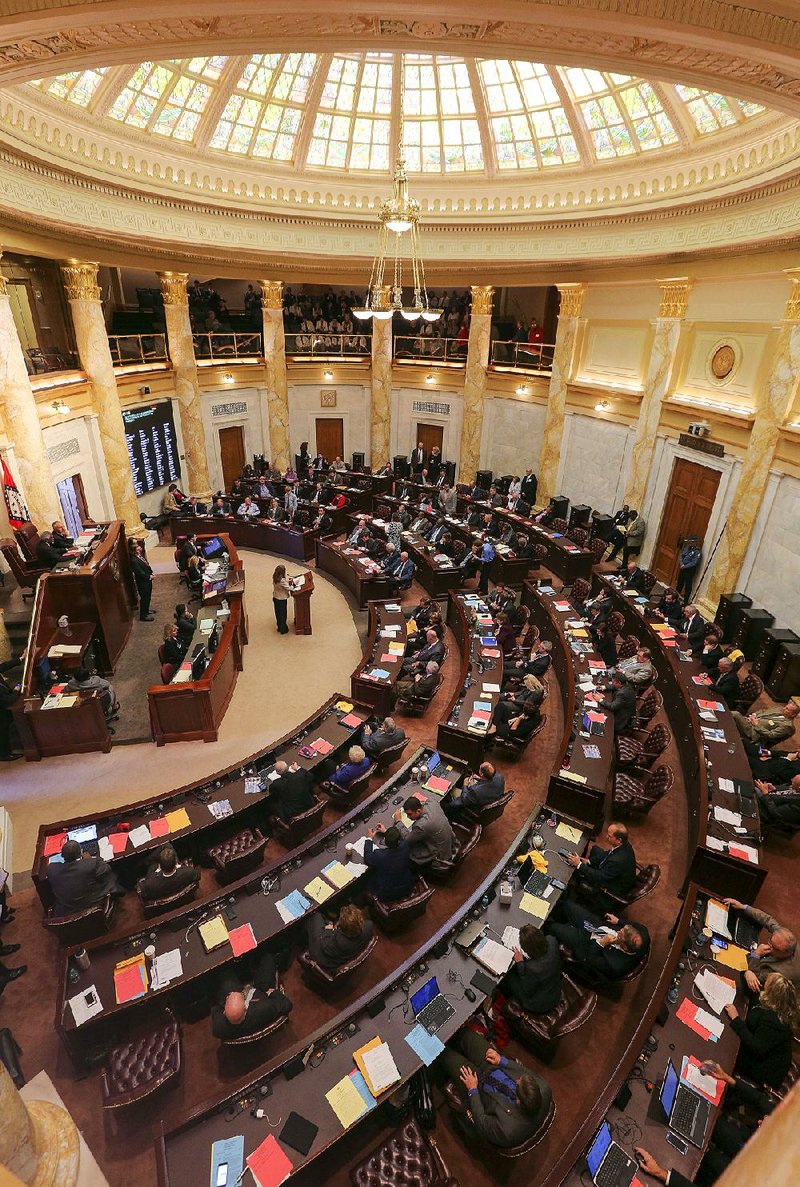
765,1054
506,638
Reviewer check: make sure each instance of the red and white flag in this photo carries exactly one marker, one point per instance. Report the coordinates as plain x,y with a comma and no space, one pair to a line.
15,504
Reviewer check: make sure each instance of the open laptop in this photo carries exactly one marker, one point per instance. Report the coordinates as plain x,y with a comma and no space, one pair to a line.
433,762
744,931
531,879
686,1110
608,1163
431,1008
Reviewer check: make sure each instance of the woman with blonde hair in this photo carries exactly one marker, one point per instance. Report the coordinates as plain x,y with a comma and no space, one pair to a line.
766,1035
357,763
281,591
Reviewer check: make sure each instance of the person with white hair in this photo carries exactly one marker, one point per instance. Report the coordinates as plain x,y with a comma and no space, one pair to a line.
387,734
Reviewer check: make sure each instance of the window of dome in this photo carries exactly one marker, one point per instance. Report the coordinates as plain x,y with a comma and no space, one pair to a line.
78,86
167,98
623,115
263,115
441,131
528,122
711,112
352,128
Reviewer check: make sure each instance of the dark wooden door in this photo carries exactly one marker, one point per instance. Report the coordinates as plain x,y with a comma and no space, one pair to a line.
691,495
231,452
330,437
431,436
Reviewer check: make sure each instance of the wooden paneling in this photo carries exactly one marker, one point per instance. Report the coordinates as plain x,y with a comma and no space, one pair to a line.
431,437
231,453
692,491
330,436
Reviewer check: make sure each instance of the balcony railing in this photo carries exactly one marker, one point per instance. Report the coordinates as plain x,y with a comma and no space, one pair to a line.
227,346
138,348
523,356
427,349
309,347
44,360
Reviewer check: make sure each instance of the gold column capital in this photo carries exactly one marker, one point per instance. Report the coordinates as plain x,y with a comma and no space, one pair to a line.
792,310
382,297
173,287
674,295
271,294
571,299
80,280
482,298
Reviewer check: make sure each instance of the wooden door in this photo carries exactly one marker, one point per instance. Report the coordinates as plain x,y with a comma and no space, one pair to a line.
691,495
330,437
431,436
231,453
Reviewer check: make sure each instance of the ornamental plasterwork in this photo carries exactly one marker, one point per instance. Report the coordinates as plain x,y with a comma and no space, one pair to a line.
674,297
80,281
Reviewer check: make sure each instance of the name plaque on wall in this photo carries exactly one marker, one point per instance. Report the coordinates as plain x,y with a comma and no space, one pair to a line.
233,409
430,406
702,445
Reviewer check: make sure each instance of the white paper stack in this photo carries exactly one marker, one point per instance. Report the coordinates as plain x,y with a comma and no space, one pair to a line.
85,1005
718,993
139,836
167,967
381,1068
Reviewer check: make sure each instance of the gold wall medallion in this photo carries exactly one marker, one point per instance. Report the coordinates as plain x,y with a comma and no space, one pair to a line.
723,360
327,398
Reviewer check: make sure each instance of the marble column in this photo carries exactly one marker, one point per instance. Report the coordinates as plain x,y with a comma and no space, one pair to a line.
563,360
667,327
83,294
39,1141
381,412
25,430
480,335
776,401
275,368
187,383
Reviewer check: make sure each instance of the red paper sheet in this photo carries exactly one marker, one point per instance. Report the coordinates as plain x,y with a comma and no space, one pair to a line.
128,983
119,842
434,783
692,1060
352,720
159,828
242,939
712,705
390,659
687,1012
53,843
321,746
269,1164
480,715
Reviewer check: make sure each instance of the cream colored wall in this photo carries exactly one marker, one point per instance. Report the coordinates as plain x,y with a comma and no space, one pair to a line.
447,393
73,447
771,572
595,456
226,407
512,435
352,407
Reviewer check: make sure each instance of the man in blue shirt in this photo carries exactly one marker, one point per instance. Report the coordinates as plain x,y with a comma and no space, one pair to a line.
487,559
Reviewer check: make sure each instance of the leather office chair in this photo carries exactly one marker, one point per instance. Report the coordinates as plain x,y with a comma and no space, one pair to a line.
598,548
651,703
559,525
517,748
627,648
454,1100
323,979
88,924
649,581
167,673
541,1032
390,755
633,753
607,986
157,906
578,536
647,879
27,537
238,855
140,1066
294,832
538,554
616,622
485,814
408,1158
345,796
580,590
25,573
466,838
636,796
413,706
750,689
393,917
258,1035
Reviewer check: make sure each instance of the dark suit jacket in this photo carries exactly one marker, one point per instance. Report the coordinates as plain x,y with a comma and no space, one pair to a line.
611,869
291,794
695,631
499,1120
335,948
380,740
765,1054
390,875
635,580
727,686
485,791
622,706
527,488
263,1009
158,885
47,555
62,543
142,572
78,884
173,652
606,646
536,984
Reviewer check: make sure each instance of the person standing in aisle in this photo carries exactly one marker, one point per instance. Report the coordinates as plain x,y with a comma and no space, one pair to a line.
280,598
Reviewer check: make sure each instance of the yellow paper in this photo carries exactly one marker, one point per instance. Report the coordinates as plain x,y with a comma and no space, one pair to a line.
733,957
213,932
537,858
631,593
575,835
337,874
346,1101
358,1056
178,820
318,890
573,775
534,905
344,706
579,633
412,627
396,649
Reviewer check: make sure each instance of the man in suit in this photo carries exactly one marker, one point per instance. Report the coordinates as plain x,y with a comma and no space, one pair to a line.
421,684
333,944
603,950
635,578
241,1012
481,789
289,502
435,465
291,793
693,626
143,576
360,527
767,726
779,805
638,669
168,876
172,499
438,530
726,684
188,550
622,704
275,512
46,554
418,459
777,766
248,509
388,733
433,650
82,680
390,877
527,488
430,835
79,880
471,563
778,954
506,1103
534,979
391,561
605,644
607,870
405,573
495,498
61,541
220,508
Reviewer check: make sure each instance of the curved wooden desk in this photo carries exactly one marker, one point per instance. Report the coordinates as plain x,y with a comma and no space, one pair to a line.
257,534
379,691
349,565
455,738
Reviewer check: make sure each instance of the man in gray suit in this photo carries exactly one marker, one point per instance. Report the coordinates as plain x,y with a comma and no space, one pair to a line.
430,835
479,790
448,500
506,1102
387,734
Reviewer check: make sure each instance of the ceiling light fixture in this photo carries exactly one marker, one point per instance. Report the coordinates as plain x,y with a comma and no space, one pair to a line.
60,407
601,406
327,375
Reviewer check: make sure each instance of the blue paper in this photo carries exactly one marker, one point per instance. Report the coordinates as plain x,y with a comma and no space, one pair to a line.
483,705
379,674
363,1090
230,1150
296,904
427,1046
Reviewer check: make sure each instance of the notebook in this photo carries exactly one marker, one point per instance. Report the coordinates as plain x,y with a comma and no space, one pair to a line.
299,1133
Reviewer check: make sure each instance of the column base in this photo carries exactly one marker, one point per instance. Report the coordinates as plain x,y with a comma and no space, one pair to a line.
57,1145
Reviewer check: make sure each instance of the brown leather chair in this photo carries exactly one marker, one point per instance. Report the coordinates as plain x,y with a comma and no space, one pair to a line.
393,917
580,590
633,753
237,855
294,832
750,689
454,1100
484,814
615,623
322,978
25,573
511,746
390,755
598,549
258,1035
345,796
140,1066
538,554
651,703
647,879
83,925
578,536
649,581
27,537
413,706
541,1032
627,648
559,525
637,795
466,838
167,673
607,986
408,1158
157,906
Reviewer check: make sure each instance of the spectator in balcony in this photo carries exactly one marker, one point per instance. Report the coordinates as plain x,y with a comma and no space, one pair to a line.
252,307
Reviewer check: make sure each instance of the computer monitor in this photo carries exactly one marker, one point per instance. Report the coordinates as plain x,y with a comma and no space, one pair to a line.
669,1087
213,547
87,832
427,993
598,1149
199,664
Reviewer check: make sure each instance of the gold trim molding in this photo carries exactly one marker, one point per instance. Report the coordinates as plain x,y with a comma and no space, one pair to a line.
482,298
382,297
271,294
173,287
792,310
571,299
674,296
80,280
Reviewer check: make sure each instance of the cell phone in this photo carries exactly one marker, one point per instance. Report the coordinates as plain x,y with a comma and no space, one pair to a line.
716,942
230,911
559,885
680,1145
222,1174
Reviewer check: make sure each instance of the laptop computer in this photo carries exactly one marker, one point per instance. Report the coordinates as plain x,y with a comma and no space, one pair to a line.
607,1162
531,879
433,762
431,1009
686,1110
744,931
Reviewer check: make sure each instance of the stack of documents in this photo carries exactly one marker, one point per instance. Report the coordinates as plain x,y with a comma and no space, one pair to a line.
166,967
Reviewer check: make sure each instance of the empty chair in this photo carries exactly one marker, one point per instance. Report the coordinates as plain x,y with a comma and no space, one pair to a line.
750,689
541,1032
615,622
647,879
637,796
325,979
579,536
140,1066
559,525
292,833
466,838
628,647
408,1158
651,703
580,591
392,917
598,549
343,796
167,673
238,855
485,814
538,554
26,573
87,924
634,753
649,581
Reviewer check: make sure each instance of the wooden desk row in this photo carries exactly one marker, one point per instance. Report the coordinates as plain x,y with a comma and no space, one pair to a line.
564,558
469,619
379,692
257,534
354,569
437,577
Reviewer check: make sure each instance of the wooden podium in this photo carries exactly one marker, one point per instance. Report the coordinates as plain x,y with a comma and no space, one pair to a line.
302,605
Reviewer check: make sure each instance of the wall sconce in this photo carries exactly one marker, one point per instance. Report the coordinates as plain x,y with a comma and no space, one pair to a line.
60,407
522,390
430,378
327,375
227,377
601,406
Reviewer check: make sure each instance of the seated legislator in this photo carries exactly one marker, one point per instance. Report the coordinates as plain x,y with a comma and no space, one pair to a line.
767,726
711,654
171,503
421,685
727,684
612,869
506,1102
391,561
536,664
778,954
275,513
173,652
220,508
767,1033
186,623
404,575
515,721
622,704
61,541
432,650
188,550
773,766
291,793
248,509
605,644
82,680
167,875
79,880
479,790
356,765
388,733
534,979
47,555
693,626
470,564
638,670
430,835
245,1009
505,636
603,950
669,608
779,805
390,877
194,574
333,944
635,578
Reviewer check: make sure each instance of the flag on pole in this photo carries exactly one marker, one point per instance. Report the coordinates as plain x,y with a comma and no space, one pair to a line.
15,504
